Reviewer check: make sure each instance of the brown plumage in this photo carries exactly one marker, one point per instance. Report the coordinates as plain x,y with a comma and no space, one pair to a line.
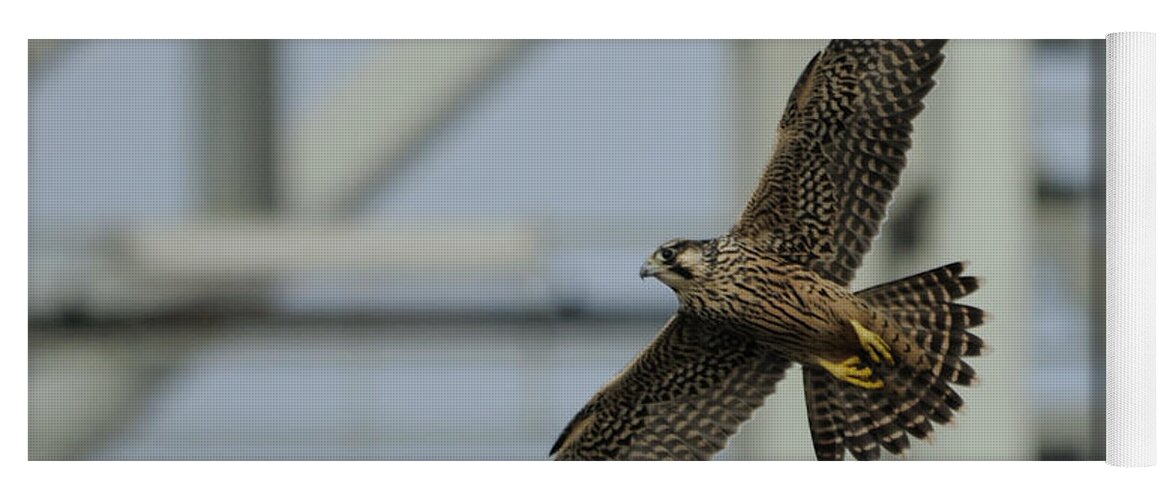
877,364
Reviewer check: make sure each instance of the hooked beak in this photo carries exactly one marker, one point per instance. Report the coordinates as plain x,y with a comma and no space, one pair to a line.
648,269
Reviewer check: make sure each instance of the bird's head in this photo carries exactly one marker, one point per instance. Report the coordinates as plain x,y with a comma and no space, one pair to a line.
677,263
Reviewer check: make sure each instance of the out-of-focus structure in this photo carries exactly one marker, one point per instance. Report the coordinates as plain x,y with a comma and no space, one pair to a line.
429,249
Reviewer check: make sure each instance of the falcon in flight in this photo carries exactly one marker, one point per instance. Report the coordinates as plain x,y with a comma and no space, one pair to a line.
878,364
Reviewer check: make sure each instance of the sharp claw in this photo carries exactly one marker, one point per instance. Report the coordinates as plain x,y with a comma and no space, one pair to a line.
850,371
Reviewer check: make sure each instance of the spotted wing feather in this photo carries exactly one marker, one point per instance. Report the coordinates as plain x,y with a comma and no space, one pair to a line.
841,144
680,399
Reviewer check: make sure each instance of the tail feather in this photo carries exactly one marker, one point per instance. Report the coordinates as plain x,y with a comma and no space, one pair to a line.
937,286
948,317
860,427
918,395
888,431
823,409
843,416
939,400
955,342
952,368
917,423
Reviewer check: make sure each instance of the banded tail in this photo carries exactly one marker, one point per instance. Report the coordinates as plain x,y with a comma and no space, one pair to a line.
845,417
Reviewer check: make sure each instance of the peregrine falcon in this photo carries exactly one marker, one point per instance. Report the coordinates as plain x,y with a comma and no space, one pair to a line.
878,364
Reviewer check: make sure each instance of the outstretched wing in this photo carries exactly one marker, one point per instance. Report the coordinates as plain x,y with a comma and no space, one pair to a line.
681,398
841,145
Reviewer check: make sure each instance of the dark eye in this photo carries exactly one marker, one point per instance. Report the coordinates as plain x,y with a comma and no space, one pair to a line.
667,254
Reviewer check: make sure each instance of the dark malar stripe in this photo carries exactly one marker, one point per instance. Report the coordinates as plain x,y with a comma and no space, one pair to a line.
682,271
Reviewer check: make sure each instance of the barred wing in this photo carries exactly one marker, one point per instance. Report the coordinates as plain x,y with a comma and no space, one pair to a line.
841,145
680,399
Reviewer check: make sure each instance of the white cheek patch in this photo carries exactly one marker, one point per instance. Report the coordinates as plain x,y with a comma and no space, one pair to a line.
691,259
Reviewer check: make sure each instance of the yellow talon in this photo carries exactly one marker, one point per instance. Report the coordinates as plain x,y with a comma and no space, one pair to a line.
849,370
873,344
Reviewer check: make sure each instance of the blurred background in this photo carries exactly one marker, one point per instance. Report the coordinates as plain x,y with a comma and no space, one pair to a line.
429,249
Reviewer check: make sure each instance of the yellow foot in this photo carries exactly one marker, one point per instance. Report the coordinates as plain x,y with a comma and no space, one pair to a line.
851,370
873,344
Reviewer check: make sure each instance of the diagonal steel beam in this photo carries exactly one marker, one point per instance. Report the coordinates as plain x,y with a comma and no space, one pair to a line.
346,148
